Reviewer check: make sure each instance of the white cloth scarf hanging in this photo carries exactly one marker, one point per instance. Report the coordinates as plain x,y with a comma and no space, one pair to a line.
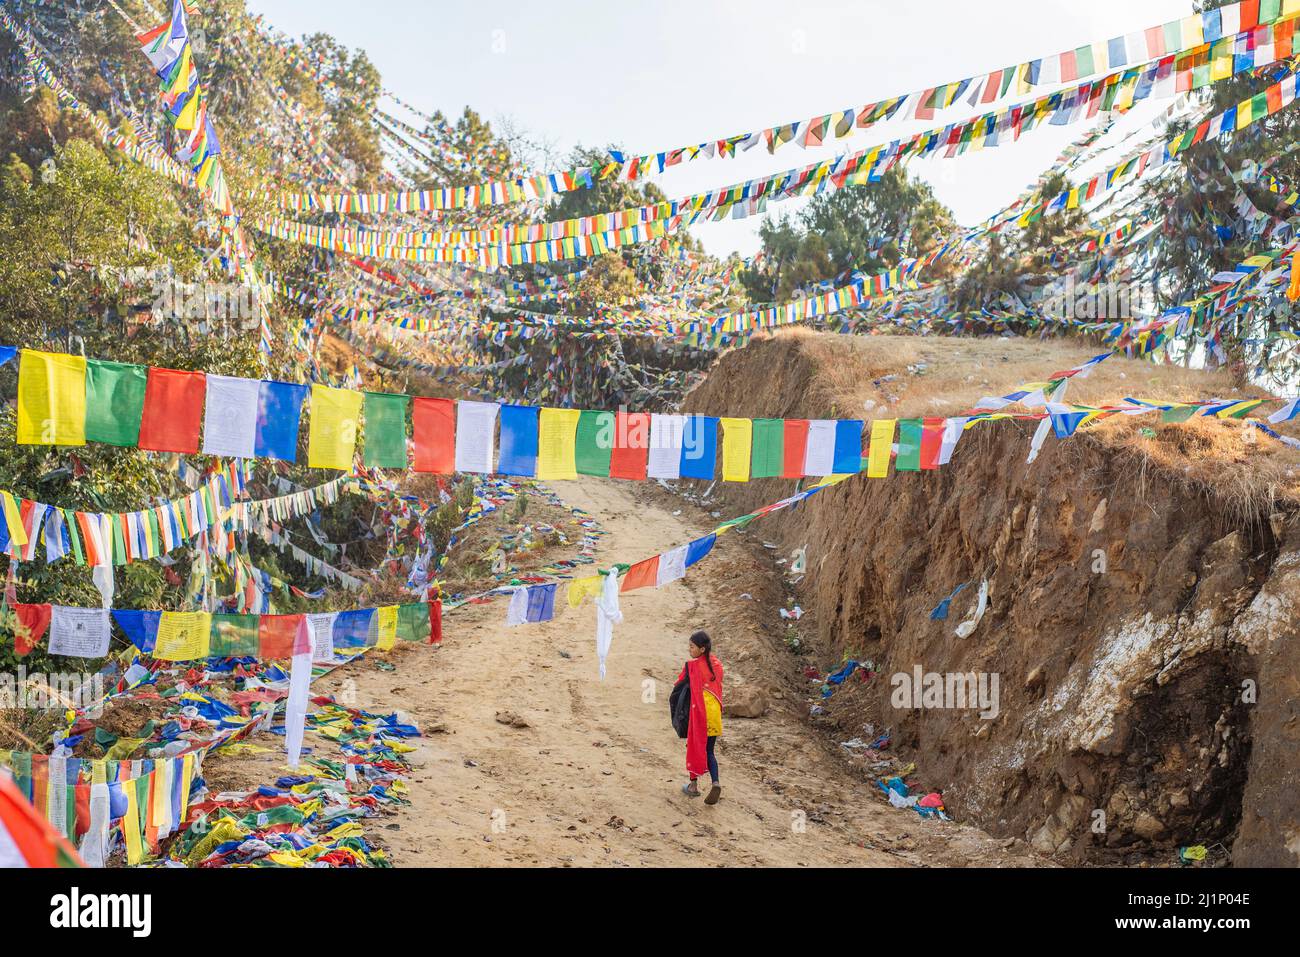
608,614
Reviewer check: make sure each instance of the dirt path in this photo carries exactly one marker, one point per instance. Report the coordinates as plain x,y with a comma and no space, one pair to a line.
595,777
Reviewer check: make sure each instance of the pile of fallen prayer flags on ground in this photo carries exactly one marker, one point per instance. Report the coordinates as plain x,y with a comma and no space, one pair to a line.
929,805
836,679
307,820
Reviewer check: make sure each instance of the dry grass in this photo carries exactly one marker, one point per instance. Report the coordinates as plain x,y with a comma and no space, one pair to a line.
1247,472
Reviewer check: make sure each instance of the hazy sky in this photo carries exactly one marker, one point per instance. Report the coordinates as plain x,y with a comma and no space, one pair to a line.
653,76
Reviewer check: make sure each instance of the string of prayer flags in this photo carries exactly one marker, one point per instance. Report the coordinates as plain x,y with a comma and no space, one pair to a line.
194,635
532,604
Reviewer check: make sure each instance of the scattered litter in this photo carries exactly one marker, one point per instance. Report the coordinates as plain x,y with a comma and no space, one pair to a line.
796,613
940,611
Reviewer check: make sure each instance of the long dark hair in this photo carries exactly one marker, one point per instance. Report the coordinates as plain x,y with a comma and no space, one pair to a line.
701,639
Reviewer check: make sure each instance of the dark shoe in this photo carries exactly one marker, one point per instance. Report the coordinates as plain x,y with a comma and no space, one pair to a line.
715,792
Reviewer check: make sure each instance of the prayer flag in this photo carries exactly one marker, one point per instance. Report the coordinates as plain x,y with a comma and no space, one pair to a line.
595,442
699,447
737,435
519,440
557,440
909,445
819,453
332,433
230,419
279,413
173,411
882,439
476,424
51,399
666,437
385,432
631,450
848,446
434,424
114,402
766,457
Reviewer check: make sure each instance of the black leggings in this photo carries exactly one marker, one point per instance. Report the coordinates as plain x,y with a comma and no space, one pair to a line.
713,761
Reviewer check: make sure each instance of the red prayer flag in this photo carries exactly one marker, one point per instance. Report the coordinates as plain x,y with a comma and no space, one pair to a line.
33,621
435,622
794,448
1248,14
278,636
931,442
640,575
1069,67
173,411
433,422
627,460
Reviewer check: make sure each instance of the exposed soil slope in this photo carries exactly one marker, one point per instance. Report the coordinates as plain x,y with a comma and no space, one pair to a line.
1139,585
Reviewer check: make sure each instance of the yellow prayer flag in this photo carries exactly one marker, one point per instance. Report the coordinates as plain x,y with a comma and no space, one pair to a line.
131,826
13,518
187,778
580,588
160,805
386,617
882,438
332,438
737,443
183,635
557,444
51,399
1191,31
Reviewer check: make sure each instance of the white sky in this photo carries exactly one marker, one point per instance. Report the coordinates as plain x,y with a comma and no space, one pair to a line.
649,77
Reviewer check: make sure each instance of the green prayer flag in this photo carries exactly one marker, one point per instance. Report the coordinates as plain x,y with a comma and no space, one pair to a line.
767,460
909,446
114,401
595,442
1083,61
234,636
1177,413
385,434
413,622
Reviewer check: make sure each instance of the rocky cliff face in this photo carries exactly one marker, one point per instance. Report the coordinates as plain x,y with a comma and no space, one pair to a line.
1142,632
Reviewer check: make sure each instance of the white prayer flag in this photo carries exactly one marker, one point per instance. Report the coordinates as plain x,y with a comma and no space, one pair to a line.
230,416
79,632
672,566
322,635
819,449
665,458
475,435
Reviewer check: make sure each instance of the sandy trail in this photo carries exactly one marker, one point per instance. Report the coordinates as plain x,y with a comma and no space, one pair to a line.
595,777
